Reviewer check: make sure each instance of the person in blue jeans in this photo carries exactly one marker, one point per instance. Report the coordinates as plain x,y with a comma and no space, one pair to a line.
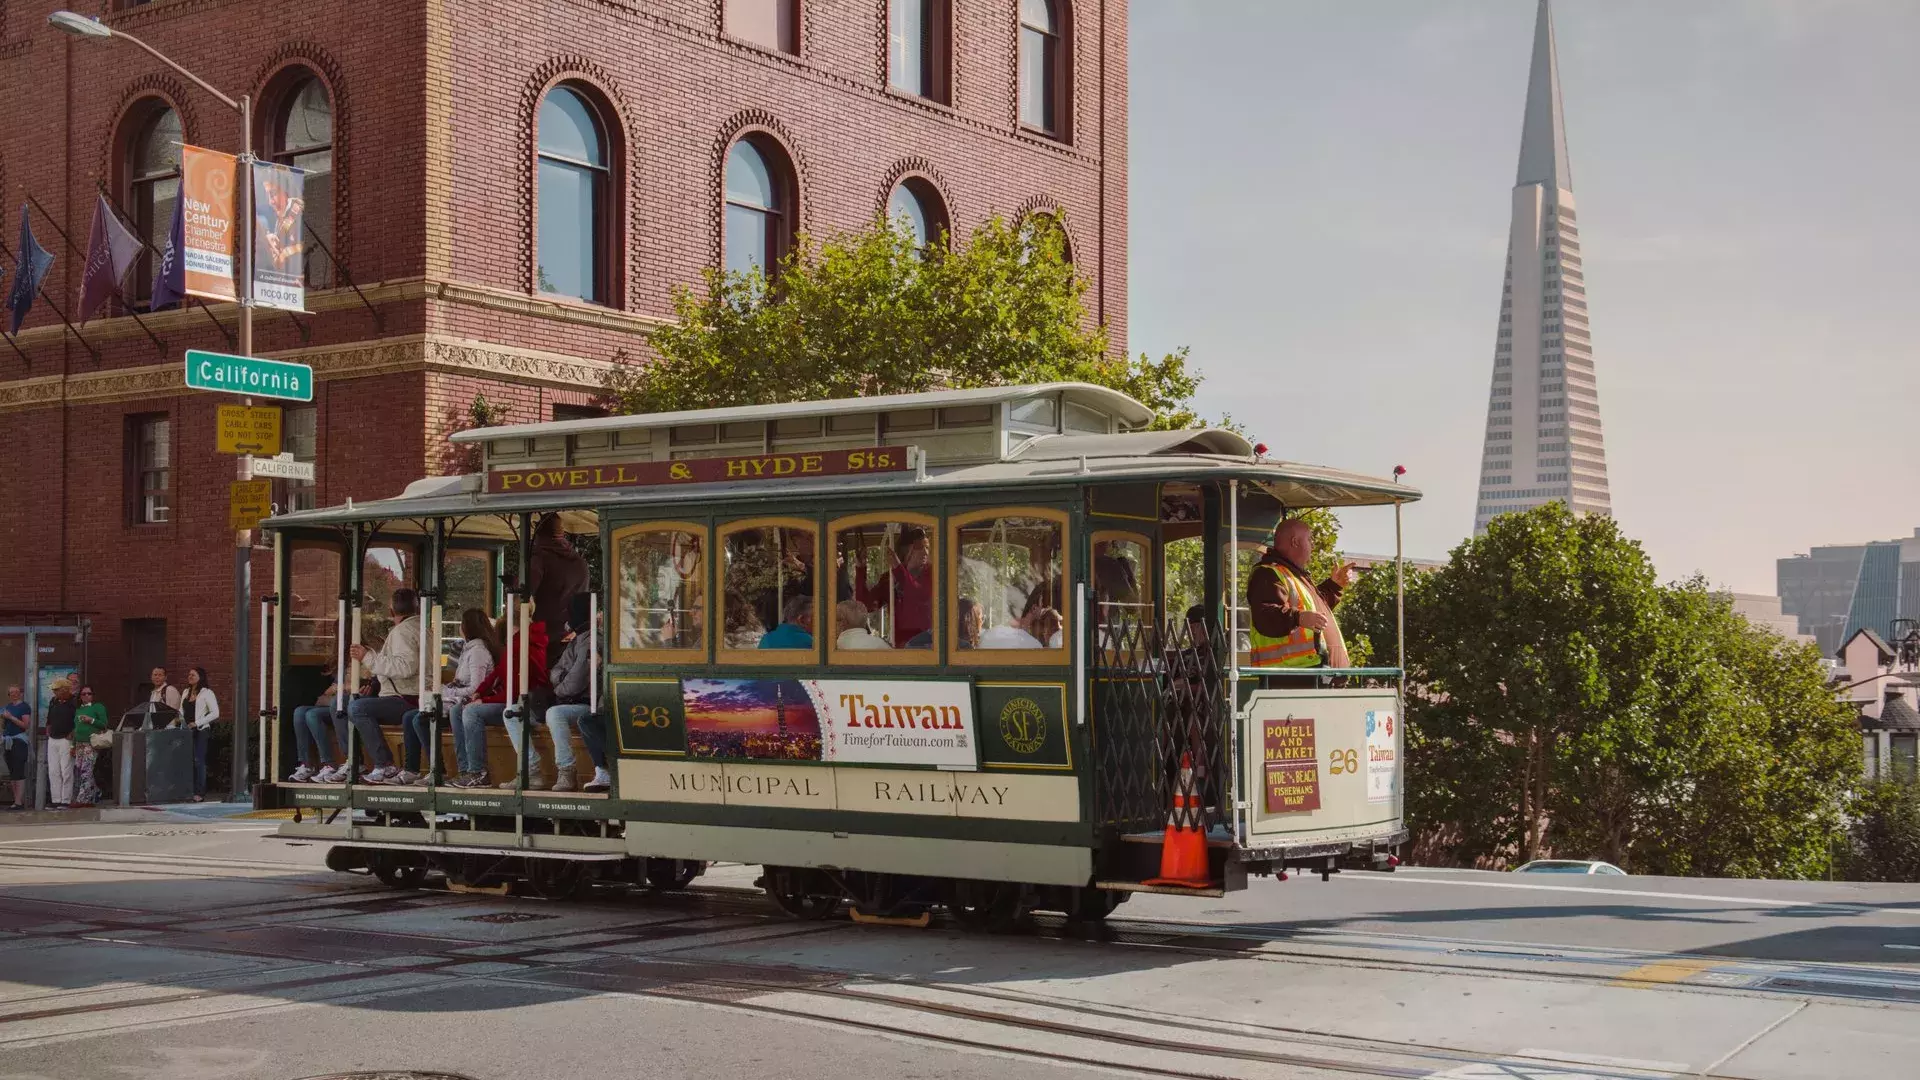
572,676
311,724
397,664
479,652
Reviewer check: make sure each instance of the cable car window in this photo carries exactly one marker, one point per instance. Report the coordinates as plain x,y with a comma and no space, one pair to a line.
884,581
660,593
1009,578
768,603
387,567
1122,581
313,597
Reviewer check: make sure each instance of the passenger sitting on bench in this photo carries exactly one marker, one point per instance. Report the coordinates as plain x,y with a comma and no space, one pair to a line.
479,655
397,663
572,676
488,707
796,626
311,724
851,618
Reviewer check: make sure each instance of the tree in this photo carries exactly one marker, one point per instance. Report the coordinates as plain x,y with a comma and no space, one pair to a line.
1883,841
868,313
1560,700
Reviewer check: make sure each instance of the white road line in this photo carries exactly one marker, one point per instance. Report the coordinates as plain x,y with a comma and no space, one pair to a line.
126,835
1705,897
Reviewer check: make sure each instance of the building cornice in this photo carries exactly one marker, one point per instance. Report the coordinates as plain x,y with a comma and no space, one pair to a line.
353,360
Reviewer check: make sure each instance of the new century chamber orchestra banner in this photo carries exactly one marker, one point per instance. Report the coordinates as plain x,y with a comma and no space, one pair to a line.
206,217
279,236
865,721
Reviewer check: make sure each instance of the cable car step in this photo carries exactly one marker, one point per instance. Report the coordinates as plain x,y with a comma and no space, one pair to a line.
1164,890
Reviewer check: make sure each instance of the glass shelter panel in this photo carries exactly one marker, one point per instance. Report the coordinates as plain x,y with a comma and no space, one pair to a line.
660,591
313,604
1009,573
768,587
884,585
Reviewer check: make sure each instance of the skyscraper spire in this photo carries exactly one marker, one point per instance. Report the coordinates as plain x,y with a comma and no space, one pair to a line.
1543,136
1543,440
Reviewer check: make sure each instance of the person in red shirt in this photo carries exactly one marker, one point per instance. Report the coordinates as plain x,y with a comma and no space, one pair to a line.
907,588
488,707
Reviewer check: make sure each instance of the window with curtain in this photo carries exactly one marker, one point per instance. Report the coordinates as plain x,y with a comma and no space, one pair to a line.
772,24
915,207
574,182
759,187
659,591
150,454
1041,83
153,188
303,138
916,47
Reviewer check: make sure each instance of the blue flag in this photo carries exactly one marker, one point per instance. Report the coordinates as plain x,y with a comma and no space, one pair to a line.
28,273
170,275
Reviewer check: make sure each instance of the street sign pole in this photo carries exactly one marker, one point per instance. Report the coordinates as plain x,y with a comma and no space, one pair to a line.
243,539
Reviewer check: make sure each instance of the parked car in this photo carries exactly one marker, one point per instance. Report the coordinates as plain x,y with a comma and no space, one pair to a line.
1569,866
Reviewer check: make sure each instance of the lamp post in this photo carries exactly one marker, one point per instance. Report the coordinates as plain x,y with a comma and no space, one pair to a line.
88,29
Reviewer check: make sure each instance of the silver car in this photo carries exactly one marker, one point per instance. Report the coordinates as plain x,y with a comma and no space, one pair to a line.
1569,866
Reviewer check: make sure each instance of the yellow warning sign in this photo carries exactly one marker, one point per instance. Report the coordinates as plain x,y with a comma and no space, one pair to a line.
249,430
251,500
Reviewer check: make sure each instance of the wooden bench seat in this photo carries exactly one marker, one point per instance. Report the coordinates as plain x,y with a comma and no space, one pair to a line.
500,760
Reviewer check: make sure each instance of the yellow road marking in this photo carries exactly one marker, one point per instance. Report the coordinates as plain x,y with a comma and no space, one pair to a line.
256,815
1662,972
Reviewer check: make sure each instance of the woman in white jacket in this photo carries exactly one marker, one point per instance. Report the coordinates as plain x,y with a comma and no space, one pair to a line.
199,708
479,652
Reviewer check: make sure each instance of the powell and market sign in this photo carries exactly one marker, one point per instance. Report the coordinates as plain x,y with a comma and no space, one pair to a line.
872,459
249,375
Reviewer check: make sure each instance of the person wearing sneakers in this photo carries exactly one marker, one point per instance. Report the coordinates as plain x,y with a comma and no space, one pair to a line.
310,727
397,664
488,707
572,676
479,654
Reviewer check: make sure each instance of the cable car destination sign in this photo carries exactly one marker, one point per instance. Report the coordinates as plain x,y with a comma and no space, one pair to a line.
862,461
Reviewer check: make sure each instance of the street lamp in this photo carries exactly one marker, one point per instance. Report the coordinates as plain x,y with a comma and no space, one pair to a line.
86,29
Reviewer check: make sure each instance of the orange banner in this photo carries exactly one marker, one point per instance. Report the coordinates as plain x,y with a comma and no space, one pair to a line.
206,194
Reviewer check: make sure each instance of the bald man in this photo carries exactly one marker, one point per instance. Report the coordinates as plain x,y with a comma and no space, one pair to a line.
1293,624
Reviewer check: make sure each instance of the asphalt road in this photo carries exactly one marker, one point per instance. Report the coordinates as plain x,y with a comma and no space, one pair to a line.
206,949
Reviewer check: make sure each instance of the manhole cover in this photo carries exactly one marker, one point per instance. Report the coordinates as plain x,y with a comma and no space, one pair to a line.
389,1076
496,917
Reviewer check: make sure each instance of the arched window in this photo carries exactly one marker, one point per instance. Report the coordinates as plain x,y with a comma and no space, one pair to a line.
153,185
1042,66
574,186
759,225
302,137
1043,229
915,207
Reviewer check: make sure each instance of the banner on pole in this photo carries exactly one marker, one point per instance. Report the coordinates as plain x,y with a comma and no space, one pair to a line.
206,201
279,236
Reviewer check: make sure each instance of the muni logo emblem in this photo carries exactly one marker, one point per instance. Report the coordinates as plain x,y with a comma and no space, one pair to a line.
1023,726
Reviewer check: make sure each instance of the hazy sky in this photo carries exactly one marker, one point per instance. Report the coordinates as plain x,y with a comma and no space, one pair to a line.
1319,208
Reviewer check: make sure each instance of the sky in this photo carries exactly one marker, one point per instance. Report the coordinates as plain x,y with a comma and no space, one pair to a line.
1319,204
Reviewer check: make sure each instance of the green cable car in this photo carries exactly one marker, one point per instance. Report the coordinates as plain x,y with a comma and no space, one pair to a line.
964,650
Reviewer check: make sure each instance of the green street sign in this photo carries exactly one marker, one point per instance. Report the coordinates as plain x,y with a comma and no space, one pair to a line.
249,375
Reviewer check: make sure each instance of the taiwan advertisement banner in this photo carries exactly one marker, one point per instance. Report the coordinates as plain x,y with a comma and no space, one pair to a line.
207,222
923,722
279,237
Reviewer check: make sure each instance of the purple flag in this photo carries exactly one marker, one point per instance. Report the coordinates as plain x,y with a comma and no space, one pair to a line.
34,262
170,276
111,250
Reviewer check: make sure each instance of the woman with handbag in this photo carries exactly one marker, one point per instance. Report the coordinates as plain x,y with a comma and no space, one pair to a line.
91,728
199,708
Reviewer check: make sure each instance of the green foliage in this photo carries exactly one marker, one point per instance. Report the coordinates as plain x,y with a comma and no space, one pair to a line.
869,313
1883,841
460,459
1560,700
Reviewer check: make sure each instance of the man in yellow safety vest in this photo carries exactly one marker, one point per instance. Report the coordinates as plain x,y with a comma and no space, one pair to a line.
1293,623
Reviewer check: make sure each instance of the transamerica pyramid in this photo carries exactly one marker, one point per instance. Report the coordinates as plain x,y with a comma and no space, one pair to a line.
1543,411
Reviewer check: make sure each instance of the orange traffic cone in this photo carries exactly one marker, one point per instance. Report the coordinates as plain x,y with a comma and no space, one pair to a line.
1183,852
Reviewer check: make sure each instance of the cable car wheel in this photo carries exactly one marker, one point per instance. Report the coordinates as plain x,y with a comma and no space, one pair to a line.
670,875
994,907
479,870
884,896
393,873
788,890
558,879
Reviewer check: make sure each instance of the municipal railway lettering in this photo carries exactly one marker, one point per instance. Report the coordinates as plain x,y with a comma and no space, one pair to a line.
937,791
727,783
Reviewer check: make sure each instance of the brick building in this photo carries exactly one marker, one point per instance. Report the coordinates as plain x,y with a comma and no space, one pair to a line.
508,194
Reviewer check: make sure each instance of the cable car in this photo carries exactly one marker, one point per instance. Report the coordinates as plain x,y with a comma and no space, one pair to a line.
963,650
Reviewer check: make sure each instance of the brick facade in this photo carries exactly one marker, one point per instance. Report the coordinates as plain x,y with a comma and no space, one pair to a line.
434,104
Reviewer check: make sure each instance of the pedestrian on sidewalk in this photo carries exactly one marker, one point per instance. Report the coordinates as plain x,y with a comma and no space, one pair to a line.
60,726
163,700
16,716
199,708
90,722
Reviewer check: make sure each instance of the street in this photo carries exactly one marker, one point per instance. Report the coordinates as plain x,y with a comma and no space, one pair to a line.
205,948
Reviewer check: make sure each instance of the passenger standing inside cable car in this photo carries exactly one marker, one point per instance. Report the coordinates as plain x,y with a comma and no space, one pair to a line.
397,664
555,575
1293,621
907,588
